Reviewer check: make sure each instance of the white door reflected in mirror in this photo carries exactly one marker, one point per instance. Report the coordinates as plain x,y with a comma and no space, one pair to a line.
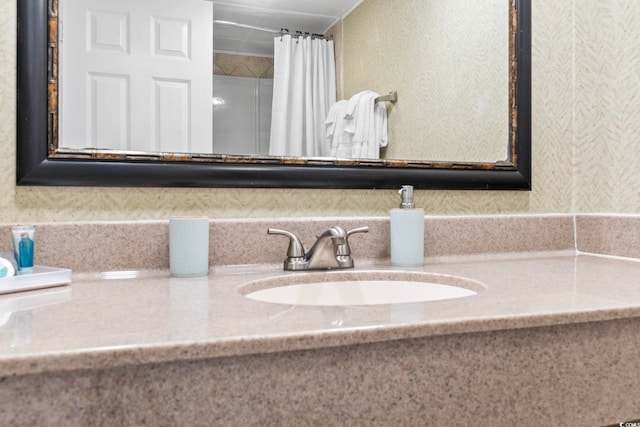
136,75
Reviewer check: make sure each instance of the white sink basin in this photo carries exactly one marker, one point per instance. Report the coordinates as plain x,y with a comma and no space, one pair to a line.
360,288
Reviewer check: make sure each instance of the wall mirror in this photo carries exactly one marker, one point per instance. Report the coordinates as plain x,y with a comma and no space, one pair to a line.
43,159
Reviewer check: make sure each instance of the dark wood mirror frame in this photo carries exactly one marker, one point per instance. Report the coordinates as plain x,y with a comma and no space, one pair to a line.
39,163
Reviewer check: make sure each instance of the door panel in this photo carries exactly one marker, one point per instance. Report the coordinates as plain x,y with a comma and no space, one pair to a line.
156,58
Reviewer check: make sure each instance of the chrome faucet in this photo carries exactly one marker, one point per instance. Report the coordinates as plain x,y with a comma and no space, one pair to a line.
331,250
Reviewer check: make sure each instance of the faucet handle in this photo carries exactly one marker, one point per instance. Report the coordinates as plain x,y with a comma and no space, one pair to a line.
343,251
344,248
295,254
364,229
296,250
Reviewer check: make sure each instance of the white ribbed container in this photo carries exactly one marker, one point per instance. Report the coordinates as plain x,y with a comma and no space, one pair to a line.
189,246
407,237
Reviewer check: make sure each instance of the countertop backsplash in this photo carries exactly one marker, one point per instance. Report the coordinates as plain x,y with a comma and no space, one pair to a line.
143,245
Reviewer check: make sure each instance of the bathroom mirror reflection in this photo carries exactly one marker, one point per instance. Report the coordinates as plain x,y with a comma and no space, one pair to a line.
147,91
432,141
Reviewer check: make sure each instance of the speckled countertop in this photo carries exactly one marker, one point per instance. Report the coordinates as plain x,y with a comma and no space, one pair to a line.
99,323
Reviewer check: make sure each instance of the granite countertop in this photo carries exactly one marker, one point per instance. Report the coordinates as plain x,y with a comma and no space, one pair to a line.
97,323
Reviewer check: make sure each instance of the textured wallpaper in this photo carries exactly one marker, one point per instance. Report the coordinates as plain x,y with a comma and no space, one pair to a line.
607,106
448,60
585,132
242,66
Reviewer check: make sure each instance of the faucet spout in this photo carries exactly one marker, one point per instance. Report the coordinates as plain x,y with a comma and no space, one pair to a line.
322,254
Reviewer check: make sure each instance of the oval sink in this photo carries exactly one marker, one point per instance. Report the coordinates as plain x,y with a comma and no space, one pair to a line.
360,288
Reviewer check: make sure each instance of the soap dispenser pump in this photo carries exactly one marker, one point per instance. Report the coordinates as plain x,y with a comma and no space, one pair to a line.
407,231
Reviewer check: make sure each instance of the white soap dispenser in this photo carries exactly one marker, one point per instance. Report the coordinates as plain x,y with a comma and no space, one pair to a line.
407,232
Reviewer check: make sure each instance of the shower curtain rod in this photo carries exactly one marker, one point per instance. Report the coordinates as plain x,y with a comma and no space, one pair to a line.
281,31
249,27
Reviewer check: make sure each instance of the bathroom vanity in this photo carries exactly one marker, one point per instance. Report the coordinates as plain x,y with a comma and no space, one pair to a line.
550,338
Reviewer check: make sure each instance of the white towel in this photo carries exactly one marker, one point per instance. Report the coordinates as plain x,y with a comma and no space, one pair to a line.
381,118
357,128
364,124
352,107
335,117
381,137
336,135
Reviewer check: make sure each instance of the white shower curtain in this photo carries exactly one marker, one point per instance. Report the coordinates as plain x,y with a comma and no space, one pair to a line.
304,88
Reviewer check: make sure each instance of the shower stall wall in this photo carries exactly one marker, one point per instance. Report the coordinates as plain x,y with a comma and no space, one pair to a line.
241,115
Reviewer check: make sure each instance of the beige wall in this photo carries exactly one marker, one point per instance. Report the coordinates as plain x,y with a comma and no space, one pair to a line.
585,139
607,106
448,60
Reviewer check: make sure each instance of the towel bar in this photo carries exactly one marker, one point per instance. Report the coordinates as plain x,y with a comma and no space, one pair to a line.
390,97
